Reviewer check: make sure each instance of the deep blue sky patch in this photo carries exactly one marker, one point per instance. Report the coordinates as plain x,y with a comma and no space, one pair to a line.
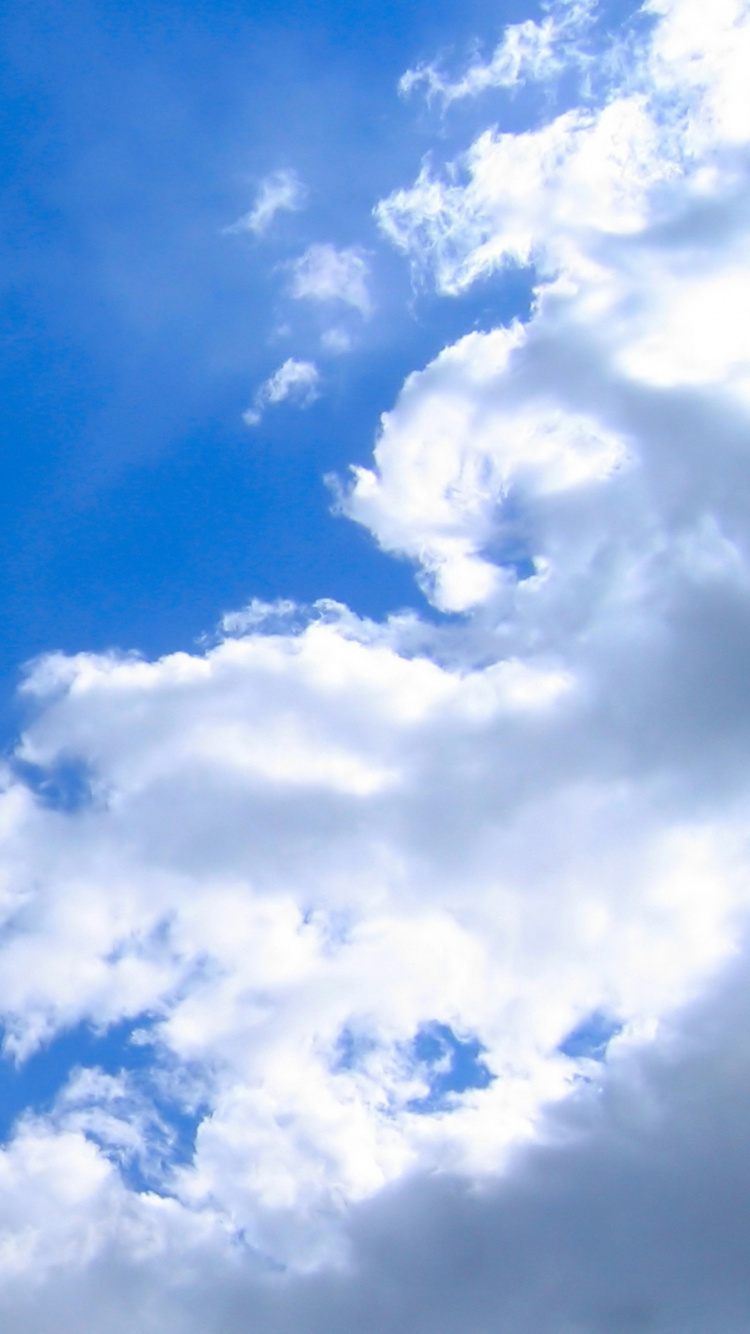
448,1064
591,1037
135,507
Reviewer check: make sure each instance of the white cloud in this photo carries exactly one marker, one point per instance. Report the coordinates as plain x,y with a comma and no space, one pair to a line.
281,192
324,273
530,51
633,218
322,834
545,197
336,340
465,464
628,1213
277,823
296,380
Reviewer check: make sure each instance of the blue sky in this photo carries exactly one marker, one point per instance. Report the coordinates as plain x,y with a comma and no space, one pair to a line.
135,506
375,593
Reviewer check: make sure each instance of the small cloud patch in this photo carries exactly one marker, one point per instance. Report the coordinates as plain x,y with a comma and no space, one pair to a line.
295,380
324,273
281,192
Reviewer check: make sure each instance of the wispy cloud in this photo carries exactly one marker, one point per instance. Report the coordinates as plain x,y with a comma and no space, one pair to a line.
295,380
336,340
531,51
281,192
325,273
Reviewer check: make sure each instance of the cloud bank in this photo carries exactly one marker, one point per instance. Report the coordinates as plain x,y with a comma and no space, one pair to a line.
326,866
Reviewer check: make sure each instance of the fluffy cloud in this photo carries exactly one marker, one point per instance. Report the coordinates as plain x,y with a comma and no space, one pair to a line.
281,192
634,220
270,828
629,1213
323,864
325,274
296,380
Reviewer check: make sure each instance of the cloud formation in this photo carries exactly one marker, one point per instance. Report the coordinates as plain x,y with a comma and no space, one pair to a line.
325,274
281,192
529,51
295,380
314,865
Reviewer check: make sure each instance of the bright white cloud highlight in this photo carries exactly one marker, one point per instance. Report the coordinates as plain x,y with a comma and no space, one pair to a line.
634,220
463,465
325,274
295,380
281,192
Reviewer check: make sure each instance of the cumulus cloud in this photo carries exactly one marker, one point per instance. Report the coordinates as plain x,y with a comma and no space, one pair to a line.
281,192
633,219
628,1213
326,274
295,380
270,828
327,866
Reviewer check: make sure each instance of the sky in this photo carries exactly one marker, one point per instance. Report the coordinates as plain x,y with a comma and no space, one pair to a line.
375,605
